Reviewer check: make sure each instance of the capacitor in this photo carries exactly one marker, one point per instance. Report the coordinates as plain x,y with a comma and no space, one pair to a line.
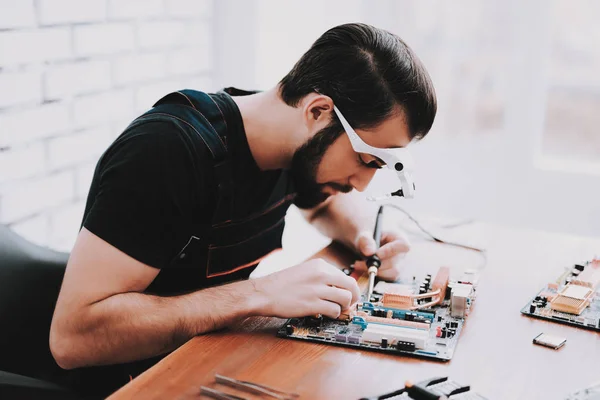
289,329
448,293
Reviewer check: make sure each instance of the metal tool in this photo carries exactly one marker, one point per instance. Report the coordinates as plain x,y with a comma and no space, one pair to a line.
373,262
255,388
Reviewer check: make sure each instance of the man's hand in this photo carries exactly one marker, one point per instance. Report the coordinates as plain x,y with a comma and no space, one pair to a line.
313,287
394,245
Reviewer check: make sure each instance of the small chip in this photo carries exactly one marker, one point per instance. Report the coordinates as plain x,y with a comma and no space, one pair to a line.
554,342
576,292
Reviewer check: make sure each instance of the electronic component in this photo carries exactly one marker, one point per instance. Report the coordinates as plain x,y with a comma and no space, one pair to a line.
587,275
440,283
554,342
393,321
572,299
375,332
428,295
460,298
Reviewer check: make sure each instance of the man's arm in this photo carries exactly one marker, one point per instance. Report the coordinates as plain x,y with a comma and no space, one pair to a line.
350,219
343,217
102,318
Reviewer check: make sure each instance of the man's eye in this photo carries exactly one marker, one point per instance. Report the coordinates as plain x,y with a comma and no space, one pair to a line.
372,164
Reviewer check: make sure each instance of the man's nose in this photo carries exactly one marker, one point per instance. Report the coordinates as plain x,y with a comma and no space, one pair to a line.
361,179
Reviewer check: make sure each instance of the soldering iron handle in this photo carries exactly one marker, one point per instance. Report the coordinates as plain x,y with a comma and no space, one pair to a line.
374,261
377,230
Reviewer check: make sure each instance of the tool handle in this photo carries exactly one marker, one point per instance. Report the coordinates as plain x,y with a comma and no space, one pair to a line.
377,230
374,261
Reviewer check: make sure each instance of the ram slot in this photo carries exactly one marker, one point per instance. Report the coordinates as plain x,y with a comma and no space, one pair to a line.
374,333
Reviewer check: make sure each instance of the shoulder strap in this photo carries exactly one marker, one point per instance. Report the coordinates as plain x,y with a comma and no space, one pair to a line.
201,113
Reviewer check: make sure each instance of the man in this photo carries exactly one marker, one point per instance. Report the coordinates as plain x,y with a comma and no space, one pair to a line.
187,201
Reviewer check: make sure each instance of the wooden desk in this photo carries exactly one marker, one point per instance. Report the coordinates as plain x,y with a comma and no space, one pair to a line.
495,354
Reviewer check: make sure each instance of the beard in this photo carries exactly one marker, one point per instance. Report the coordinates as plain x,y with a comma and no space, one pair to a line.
305,163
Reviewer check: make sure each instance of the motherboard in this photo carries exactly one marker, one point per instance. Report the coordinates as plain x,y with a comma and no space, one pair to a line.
422,318
572,299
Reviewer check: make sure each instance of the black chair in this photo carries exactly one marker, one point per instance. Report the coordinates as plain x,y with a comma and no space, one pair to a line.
30,279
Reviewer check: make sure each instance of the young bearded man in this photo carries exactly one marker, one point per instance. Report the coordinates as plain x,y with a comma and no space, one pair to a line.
193,194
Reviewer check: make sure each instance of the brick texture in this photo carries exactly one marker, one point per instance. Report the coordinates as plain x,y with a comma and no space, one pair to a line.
73,74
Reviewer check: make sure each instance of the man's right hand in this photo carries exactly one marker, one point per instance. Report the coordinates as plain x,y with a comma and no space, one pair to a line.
313,287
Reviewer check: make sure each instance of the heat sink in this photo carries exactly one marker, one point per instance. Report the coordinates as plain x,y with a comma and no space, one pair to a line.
572,299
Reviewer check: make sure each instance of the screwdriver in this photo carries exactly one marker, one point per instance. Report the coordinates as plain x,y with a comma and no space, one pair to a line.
373,262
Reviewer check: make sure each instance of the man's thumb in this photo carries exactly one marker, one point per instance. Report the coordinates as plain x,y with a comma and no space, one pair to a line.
365,244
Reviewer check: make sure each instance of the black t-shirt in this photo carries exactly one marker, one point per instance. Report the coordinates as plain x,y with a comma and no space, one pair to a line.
151,187
155,182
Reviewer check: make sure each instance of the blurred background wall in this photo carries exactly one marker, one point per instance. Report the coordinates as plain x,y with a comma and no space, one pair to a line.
516,140
73,73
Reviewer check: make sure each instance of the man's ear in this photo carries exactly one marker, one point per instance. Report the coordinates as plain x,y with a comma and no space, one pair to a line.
317,109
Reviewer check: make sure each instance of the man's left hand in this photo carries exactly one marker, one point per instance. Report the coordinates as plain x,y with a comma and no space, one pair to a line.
394,245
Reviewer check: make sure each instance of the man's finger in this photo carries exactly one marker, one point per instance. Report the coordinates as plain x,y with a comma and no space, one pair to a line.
341,280
339,296
392,249
391,236
329,309
365,244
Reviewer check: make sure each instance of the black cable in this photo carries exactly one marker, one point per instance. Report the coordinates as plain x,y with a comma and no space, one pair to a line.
436,239
431,236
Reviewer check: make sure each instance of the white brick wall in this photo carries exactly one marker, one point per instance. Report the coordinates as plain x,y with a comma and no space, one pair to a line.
22,200
139,67
19,47
89,144
129,9
22,162
99,108
54,12
26,125
19,87
73,74
107,39
161,34
75,78
22,14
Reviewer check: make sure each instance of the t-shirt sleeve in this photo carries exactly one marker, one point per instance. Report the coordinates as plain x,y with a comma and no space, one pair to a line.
145,191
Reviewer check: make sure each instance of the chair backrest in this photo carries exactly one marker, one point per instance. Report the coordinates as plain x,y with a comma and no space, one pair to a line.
30,279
